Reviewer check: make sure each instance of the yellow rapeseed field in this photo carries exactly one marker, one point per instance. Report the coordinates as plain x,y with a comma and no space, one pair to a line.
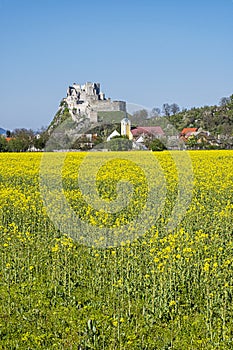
151,288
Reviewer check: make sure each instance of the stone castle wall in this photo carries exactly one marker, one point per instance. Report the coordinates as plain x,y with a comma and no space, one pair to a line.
108,106
88,99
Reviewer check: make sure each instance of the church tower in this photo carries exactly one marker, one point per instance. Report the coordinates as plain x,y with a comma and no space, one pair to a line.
126,128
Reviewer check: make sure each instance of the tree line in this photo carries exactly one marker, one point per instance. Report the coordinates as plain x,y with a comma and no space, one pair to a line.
22,140
168,110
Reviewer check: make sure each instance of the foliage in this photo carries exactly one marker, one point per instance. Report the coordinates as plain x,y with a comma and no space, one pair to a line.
119,143
3,143
216,119
62,115
155,145
139,116
163,290
21,140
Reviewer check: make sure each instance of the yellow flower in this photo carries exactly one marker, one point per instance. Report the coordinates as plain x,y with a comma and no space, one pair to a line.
172,303
55,248
206,267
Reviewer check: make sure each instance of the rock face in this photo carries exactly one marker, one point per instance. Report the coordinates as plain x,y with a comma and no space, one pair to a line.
87,100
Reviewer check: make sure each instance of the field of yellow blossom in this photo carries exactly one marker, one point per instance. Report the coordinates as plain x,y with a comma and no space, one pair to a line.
160,290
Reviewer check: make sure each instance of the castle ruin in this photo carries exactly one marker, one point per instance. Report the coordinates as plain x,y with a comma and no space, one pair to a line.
87,100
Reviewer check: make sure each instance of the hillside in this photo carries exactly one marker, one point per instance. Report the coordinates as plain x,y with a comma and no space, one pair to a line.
215,119
218,120
106,120
111,117
61,115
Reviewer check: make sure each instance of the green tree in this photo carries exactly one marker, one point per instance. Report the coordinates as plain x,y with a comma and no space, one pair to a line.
192,142
119,143
3,144
21,140
155,144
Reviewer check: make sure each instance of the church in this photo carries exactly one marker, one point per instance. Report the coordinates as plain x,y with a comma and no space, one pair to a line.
125,130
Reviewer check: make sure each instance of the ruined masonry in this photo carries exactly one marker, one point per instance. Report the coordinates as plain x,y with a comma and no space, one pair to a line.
88,100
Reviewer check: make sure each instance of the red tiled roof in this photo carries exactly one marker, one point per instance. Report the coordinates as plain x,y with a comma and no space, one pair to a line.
154,130
188,131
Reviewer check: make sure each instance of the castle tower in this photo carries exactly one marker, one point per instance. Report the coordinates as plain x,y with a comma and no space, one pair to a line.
126,127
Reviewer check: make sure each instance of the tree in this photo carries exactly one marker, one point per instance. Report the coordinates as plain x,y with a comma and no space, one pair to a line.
98,140
140,115
40,142
119,143
155,112
8,133
224,101
155,145
174,108
192,142
3,144
166,109
21,140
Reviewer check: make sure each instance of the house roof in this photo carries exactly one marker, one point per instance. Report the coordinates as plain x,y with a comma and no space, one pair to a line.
113,134
188,131
153,130
140,139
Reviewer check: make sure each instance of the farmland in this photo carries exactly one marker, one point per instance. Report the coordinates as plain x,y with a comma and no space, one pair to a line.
162,289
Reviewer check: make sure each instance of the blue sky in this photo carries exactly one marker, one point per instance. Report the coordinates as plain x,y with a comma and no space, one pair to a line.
145,52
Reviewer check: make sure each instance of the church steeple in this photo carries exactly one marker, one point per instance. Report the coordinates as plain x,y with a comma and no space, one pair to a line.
126,127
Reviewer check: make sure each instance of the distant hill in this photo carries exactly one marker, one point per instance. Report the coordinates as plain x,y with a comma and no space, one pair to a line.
2,131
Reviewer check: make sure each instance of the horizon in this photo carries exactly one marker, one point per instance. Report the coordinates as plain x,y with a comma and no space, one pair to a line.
146,54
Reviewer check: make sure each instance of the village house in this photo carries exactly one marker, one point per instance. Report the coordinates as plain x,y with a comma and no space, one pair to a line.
142,132
198,137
